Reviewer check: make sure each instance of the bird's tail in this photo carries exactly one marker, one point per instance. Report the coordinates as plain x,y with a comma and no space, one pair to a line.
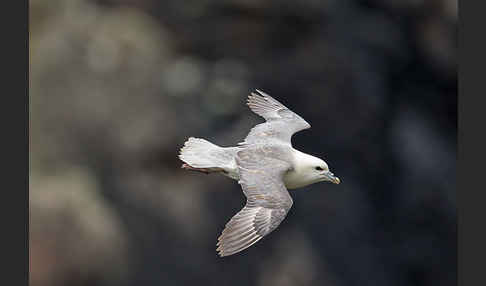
202,155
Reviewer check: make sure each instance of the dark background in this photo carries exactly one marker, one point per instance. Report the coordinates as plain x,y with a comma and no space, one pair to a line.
116,87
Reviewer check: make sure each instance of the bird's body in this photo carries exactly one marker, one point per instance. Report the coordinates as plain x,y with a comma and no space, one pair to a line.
265,164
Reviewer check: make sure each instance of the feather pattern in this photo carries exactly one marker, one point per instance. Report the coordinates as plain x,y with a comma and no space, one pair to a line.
268,201
281,123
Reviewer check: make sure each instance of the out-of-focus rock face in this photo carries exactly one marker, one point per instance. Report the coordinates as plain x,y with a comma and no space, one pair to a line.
116,87
74,233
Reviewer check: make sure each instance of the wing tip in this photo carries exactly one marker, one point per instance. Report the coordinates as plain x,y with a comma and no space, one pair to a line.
222,252
254,96
263,104
261,92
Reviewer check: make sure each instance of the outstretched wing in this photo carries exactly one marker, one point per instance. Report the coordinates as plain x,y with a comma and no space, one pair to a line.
281,123
268,201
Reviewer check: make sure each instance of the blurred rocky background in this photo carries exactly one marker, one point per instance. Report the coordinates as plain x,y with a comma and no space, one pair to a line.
117,86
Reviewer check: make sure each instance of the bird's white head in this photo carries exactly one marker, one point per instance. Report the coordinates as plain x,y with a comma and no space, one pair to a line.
309,170
319,169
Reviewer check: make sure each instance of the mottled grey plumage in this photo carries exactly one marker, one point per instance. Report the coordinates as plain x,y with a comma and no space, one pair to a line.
268,201
262,165
281,123
265,165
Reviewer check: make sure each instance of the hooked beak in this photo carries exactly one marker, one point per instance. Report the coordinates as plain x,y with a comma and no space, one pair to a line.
328,176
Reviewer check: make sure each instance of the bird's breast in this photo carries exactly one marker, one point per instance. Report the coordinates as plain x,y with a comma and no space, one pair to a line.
294,180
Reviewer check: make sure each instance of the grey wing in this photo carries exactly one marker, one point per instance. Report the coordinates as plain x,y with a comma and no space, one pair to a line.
268,201
281,123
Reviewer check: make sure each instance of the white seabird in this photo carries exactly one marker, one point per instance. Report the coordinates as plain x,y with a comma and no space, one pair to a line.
265,165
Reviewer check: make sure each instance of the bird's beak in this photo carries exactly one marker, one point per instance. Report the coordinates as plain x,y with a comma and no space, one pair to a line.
330,177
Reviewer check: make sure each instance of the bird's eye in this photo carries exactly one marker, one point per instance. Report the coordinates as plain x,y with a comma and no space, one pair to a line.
319,168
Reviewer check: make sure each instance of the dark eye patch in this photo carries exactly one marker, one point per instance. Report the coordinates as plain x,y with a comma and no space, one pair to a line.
319,168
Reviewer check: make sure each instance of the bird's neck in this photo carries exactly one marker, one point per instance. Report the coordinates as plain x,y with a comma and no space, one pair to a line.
299,176
302,160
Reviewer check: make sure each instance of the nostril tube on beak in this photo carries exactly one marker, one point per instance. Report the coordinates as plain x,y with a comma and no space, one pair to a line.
331,177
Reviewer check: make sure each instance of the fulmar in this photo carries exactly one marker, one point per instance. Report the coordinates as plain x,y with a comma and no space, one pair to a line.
265,165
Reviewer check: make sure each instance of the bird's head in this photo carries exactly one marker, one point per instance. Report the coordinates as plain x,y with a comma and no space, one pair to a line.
308,170
319,169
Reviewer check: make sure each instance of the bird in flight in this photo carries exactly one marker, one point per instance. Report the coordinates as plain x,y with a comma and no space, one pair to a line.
265,165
